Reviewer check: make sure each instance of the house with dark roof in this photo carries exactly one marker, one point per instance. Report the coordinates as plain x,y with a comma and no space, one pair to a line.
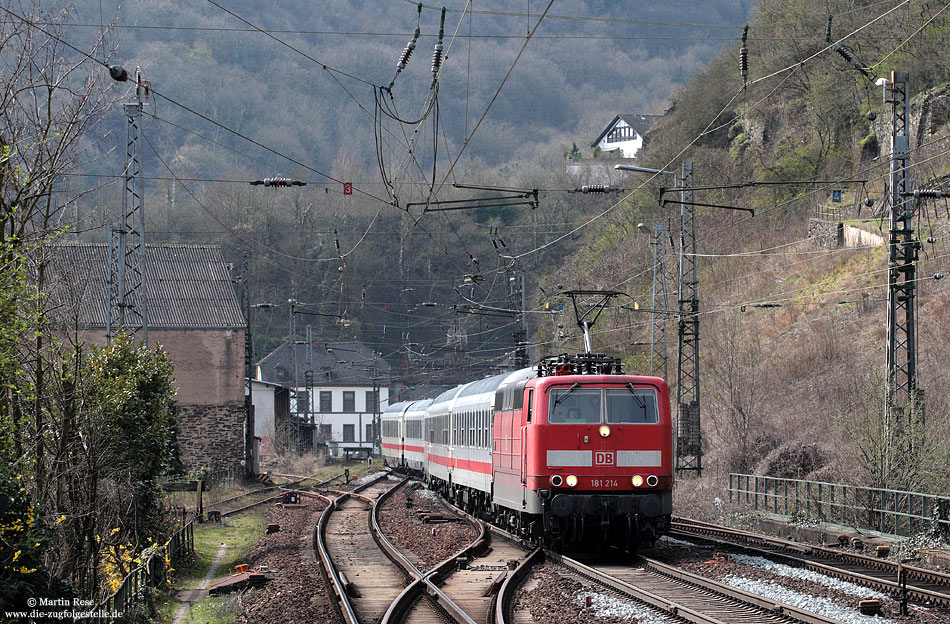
337,392
193,313
624,133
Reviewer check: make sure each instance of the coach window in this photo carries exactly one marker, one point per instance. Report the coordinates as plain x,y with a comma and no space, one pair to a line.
632,405
571,405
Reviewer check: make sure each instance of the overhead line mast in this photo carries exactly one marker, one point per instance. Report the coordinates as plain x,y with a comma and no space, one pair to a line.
689,449
128,303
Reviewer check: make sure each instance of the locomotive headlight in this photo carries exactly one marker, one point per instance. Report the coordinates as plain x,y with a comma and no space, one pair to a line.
571,480
652,480
556,480
604,431
637,480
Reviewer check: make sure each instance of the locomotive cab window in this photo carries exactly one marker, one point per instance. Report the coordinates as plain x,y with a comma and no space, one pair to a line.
632,405
572,405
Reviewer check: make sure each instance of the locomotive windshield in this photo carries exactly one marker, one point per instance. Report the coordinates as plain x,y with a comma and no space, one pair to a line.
573,406
632,405
629,405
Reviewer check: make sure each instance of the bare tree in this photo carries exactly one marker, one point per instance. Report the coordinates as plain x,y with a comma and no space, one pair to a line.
51,97
737,397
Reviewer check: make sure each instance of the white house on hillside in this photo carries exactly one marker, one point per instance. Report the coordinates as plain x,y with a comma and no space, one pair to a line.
624,133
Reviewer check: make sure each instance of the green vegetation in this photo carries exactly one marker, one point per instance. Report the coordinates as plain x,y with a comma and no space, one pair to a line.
241,533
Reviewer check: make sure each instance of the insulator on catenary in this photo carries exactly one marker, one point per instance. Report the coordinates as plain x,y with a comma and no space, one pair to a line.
406,53
845,53
437,51
828,31
744,55
436,58
928,193
594,188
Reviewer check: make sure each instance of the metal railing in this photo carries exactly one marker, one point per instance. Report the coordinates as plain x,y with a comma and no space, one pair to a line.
895,512
152,572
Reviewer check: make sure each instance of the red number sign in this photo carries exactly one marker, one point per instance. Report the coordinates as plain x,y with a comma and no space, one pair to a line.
347,188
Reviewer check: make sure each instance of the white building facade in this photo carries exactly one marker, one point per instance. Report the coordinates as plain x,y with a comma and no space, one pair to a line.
624,135
336,393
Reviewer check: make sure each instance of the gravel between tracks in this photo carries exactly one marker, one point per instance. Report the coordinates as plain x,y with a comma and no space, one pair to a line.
430,543
776,581
299,593
557,599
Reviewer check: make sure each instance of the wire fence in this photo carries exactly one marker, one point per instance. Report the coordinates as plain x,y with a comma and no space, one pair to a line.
894,512
153,572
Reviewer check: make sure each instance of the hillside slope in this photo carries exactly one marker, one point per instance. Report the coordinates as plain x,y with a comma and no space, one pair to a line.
793,334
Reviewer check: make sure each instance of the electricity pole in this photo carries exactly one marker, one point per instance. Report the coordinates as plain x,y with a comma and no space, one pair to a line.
902,254
904,402
658,357
689,451
244,281
308,375
295,387
128,306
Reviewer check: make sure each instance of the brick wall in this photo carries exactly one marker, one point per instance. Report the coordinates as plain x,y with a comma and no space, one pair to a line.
211,435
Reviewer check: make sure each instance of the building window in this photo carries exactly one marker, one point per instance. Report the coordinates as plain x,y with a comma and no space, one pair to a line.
369,433
349,433
371,401
326,433
349,401
617,135
326,402
303,400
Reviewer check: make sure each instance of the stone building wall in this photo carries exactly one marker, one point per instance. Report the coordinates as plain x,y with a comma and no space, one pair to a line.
826,234
211,435
209,376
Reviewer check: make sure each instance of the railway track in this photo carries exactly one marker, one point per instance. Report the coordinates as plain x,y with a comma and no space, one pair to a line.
244,501
660,587
377,583
362,576
684,595
922,586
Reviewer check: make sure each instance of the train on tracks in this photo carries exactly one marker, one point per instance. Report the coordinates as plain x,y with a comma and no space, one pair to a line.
568,452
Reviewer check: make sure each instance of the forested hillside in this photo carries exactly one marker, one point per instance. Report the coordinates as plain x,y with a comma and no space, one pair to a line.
793,334
321,98
317,98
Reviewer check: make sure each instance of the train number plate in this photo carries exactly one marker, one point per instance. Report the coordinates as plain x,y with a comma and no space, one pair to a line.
604,483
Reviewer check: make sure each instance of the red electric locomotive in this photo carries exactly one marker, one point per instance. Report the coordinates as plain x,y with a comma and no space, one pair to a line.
584,452
572,451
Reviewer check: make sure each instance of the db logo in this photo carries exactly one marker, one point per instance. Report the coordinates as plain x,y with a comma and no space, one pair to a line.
603,458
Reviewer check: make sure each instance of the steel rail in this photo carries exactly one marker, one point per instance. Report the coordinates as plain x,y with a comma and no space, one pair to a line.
513,579
649,598
425,584
278,486
330,573
718,534
676,609
801,615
